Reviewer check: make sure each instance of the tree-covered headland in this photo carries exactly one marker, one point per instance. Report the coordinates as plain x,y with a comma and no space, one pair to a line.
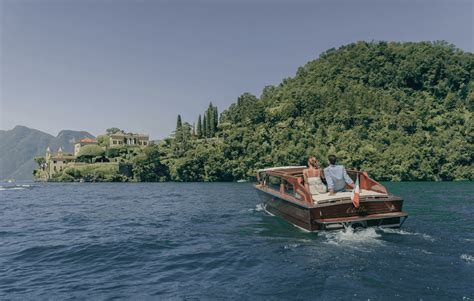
400,111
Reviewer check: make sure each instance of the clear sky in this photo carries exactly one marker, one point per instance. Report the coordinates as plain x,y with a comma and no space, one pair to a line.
90,65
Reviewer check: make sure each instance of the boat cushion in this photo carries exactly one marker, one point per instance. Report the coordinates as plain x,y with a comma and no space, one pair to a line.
322,198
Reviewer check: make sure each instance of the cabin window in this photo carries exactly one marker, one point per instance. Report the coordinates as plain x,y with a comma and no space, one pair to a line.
289,189
274,183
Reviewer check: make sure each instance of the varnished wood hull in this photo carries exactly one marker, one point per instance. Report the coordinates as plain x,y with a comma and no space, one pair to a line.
383,212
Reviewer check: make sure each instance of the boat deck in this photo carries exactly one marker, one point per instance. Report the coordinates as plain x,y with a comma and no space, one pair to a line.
325,197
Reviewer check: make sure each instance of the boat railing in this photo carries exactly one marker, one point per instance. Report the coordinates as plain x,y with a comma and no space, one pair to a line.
294,176
365,182
299,195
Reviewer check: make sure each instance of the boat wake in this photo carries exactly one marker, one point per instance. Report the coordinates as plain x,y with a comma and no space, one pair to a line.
258,208
353,238
16,187
261,207
291,246
467,258
403,232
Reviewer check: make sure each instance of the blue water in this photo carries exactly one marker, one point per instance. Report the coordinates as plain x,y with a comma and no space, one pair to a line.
213,241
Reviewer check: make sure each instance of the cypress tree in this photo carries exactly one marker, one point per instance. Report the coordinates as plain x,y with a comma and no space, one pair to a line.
179,129
216,118
204,126
208,124
199,127
211,120
186,134
179,124
178,135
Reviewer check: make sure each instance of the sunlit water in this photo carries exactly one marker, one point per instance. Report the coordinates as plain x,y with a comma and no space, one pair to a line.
214,241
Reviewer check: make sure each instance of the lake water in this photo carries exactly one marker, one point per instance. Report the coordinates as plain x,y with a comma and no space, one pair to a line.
213,241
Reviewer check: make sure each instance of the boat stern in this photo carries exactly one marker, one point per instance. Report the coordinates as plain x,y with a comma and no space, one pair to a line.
383,220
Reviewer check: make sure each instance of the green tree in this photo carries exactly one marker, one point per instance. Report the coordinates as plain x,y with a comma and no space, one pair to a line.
209,129
103,140
147,166
179,128
88,152
204,126
216,119
211,119
199,127
113,131
178,136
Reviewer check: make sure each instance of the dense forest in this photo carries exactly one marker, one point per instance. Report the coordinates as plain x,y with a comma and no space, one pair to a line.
400,111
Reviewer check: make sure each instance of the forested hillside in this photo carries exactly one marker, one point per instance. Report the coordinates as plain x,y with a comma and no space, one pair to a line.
401,111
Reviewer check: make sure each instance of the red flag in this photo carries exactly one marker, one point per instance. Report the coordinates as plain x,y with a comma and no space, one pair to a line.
356,194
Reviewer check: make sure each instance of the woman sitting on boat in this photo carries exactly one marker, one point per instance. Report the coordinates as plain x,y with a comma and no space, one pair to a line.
312,177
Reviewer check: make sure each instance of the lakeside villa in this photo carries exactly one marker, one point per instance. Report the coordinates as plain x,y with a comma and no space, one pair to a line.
120,139
53,163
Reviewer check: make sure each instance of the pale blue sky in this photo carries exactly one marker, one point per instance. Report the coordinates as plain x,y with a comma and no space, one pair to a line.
90,65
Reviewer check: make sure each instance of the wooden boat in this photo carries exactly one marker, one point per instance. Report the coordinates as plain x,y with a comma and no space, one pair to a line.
283,194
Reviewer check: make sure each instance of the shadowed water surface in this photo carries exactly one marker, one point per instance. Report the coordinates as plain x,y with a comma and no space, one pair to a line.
212,241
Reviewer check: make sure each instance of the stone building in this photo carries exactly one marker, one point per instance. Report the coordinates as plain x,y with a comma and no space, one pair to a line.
121,139
56,162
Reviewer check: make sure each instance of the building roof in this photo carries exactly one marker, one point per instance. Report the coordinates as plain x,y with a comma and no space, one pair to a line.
120,135
87,140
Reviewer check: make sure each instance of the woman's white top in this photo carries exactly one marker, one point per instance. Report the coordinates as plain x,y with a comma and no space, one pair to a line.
316,185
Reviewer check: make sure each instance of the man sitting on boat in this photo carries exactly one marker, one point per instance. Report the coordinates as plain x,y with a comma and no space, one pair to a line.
312,177
336,176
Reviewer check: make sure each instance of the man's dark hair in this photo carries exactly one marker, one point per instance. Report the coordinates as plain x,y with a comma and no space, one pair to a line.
332,159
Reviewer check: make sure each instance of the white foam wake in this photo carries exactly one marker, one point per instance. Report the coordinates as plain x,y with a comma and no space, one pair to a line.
403,232
467,258
2,188
353,238
258,208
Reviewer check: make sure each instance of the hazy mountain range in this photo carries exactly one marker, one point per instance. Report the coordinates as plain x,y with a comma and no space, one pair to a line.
21,144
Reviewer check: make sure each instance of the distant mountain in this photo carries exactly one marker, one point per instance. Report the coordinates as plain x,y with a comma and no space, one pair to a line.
21,144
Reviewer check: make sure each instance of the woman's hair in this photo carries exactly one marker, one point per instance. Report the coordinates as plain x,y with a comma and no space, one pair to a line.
313,162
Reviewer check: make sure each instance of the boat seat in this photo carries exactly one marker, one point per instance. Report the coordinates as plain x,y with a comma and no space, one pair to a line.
325,197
